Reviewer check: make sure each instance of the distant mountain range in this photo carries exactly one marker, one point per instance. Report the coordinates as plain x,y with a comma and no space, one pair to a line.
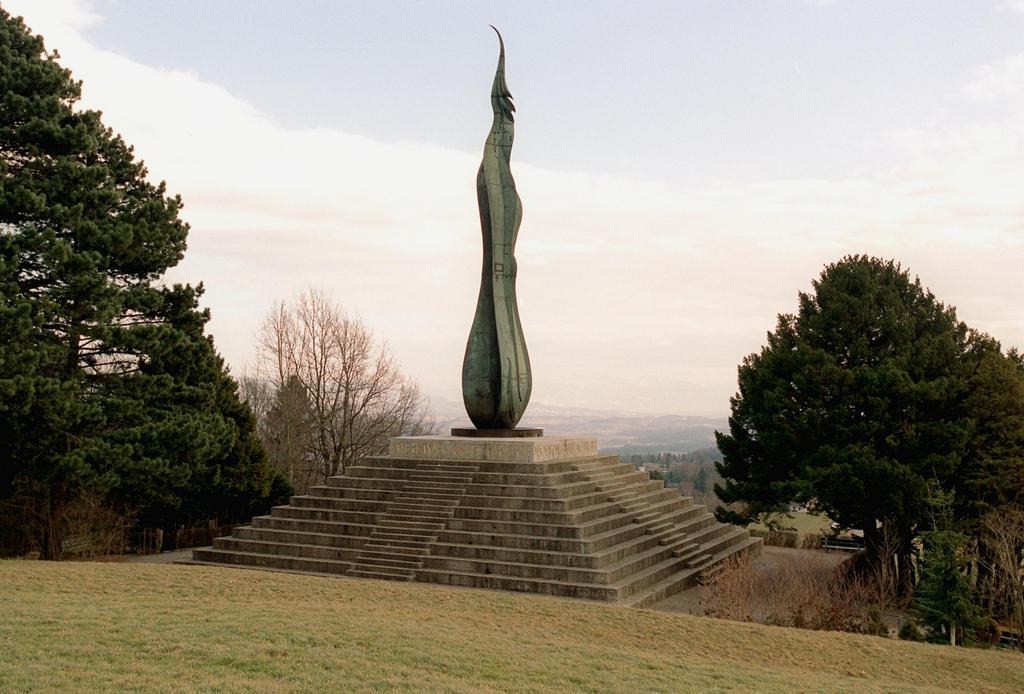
616,431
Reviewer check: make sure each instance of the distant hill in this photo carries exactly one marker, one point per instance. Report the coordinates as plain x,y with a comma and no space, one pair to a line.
616,431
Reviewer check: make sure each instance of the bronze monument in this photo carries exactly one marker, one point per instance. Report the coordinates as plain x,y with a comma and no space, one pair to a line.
496,379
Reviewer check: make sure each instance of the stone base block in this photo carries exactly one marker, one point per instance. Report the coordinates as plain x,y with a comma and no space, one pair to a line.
526,450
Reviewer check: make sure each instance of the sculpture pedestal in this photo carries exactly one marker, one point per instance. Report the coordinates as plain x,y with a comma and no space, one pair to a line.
541,515
539,449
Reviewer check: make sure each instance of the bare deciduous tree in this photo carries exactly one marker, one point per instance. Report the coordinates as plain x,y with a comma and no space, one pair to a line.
357,398
1003,538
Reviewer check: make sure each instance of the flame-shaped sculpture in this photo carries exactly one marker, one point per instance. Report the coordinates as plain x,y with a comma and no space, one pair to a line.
496,379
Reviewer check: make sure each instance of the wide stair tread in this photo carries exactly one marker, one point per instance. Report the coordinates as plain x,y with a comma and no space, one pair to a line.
367,560
374,547
258,559
678,581
512,580
401,539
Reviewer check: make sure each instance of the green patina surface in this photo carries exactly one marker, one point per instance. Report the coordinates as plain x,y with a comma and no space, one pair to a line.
496,379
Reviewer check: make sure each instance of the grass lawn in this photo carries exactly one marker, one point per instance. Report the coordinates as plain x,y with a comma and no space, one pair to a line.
803,523
92,627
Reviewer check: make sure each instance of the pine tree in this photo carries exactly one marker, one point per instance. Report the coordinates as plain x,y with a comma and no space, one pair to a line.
854,404
992,473
107,382
944,598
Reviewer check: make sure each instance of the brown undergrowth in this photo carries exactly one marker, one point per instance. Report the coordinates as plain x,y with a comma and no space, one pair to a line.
803,589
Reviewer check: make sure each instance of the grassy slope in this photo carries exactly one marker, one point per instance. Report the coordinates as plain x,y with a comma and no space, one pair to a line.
155,627
803,523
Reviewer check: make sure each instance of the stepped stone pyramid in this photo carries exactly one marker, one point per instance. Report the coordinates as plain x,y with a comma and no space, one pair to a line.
541,515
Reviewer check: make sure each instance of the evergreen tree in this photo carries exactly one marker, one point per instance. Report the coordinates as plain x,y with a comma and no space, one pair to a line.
855,402
944,598
700,482
992,473
107,382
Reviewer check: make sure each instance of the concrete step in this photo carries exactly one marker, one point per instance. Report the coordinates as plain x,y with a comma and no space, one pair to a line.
271,561
451,491
686,550
415,497
506,565
650,575
616,483
402,539
597,464
339,504
602,508
440,479
410,526
382,574
541,491
316,526
681,580
343,492
633,565
697,561
367,560
432,515
477,552
421,505
656,574
528,585
297,537
584,529
382,547
294,549
446,467
658,527
326,514
362,485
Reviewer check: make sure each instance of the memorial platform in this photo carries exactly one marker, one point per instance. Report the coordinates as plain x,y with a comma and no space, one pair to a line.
542,515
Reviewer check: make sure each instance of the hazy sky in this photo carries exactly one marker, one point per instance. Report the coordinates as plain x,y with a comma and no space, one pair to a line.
685,167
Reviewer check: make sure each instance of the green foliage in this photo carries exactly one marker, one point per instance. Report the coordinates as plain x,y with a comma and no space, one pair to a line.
692,472
944,598
910,631
107,382
992,473
871,390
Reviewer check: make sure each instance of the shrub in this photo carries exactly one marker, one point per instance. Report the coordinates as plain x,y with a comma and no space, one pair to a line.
910,631
812,541
776,538
806,591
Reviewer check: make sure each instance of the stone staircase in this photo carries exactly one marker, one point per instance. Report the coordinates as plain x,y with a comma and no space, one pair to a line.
414,517
530,517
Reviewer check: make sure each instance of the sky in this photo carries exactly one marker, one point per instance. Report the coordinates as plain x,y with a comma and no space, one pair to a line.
686,168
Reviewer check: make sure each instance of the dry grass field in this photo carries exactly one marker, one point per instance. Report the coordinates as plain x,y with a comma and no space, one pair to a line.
137,627
803,523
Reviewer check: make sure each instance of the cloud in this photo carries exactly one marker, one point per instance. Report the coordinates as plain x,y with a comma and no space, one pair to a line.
1000,81
634,294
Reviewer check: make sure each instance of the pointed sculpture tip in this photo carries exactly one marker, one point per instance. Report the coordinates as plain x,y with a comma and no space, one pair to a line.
500,95
501,41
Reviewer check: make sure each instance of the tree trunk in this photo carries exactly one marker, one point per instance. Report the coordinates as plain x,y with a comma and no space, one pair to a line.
53,522
952,634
